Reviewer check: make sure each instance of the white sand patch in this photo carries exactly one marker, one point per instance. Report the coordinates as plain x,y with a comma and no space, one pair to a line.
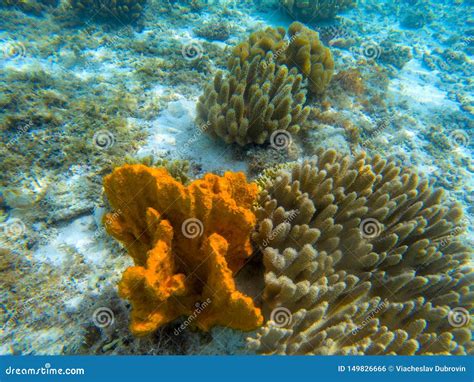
48,341
80,236
174,134
418,86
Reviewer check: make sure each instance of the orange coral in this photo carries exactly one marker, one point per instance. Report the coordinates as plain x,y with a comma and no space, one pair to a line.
186,242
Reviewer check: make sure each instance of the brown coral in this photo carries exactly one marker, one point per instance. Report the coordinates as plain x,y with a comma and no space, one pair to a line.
302,50
186,242
361,257
114,10
314,10
254,100
30,6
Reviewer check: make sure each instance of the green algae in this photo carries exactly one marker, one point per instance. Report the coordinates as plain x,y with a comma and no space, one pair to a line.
51,121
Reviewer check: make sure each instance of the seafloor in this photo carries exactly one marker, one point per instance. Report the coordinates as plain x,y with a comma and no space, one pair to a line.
80,96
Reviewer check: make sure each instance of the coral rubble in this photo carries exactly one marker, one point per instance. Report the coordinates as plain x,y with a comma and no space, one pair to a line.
115,10
186,243
315,10
35,7
214,30
361,257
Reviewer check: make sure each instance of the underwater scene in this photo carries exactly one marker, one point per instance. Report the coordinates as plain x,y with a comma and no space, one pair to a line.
273,177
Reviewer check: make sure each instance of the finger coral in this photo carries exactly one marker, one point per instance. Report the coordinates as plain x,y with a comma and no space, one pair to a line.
302,49
255,99
361,257
186,243
115,10
315,10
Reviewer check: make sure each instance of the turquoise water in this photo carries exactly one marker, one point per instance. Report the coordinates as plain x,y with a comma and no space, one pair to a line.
87,87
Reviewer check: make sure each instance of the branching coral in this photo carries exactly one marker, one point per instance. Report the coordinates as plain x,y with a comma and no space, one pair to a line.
301,50
361,257
254,100
116,10
261,95
186,243
305,10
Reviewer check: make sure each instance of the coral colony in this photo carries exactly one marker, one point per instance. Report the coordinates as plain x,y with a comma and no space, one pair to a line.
360,235
186,243
365,243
